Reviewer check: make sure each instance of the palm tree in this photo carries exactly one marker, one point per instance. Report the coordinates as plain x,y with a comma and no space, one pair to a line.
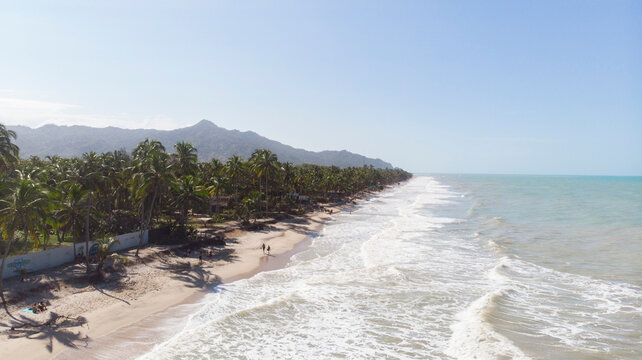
217,183
264,163
89,173
71,213
289,177
246,209
187,195
22,210
185,159
103,253
152,177
116,197
8,150
52,220
233,170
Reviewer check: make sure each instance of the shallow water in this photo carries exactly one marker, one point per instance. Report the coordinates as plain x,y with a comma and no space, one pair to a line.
492,267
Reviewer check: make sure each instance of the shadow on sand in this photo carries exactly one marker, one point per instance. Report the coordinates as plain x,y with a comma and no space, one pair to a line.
56,328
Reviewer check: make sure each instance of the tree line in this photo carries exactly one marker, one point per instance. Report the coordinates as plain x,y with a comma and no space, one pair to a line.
94,195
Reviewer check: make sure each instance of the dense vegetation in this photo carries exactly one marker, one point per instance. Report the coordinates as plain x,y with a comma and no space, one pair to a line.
58,200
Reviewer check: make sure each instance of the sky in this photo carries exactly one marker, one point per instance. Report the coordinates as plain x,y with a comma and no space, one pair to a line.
513,87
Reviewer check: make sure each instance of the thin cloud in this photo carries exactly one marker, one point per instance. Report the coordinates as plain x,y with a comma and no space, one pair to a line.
36,113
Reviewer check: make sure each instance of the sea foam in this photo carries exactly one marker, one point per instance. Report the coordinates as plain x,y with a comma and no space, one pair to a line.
414,273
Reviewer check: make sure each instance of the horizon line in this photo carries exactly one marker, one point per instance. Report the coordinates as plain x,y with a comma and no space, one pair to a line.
423,173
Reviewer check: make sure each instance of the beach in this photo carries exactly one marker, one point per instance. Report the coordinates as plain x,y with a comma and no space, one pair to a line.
161,280
204,180
443,267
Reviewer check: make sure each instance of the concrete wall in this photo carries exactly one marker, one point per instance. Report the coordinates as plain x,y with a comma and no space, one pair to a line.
46,259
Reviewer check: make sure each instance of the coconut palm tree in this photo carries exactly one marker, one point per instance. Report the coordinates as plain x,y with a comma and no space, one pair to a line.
116,195
71,210
217,184
247,208
8,150
264,164
52,220
104,252
88,172
185,159
233,170
22,210
151,179
187,195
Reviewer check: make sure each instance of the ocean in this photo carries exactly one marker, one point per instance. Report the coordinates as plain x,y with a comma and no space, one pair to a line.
446,267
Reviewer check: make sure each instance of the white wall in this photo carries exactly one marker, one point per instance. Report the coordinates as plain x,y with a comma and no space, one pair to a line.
64,254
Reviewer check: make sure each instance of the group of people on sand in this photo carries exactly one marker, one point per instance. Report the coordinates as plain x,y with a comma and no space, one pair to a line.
329,211
39,307
265,249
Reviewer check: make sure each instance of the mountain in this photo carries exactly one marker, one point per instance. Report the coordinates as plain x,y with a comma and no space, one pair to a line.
210,140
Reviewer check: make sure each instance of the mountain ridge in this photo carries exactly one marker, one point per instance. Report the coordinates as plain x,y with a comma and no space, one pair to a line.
211,140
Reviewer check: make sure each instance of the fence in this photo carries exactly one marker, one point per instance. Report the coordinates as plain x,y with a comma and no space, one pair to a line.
58,256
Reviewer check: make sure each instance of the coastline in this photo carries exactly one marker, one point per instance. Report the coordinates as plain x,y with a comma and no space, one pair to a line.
160,326
118,317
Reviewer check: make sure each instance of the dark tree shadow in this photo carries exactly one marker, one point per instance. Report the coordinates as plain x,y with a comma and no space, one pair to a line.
197,278
231,240
300,229
34,286
227,255
55,328
193,275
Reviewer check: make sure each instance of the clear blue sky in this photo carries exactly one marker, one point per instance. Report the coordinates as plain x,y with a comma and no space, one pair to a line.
541,87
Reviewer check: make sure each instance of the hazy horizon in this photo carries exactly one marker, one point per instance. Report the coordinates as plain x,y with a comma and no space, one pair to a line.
432,87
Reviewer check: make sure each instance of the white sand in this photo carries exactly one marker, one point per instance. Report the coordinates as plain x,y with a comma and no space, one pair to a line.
162,281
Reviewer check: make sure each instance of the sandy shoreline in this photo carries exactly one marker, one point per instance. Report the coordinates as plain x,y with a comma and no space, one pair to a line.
102,318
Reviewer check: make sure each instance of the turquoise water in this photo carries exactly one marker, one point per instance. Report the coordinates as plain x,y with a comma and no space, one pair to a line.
570,269
446,267
579,224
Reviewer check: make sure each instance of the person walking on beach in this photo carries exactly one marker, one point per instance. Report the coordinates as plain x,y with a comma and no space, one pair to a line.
268,249
263,247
